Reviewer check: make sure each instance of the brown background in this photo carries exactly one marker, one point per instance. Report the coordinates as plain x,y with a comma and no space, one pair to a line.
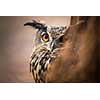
16,46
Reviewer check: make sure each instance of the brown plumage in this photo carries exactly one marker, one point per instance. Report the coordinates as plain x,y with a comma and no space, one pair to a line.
76,59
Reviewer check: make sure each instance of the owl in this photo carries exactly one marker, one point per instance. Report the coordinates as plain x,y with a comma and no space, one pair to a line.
65,53
47,41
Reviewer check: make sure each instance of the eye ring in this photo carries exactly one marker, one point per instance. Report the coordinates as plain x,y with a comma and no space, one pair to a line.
45,37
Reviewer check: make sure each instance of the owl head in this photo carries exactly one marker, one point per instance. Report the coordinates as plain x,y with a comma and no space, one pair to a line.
47,40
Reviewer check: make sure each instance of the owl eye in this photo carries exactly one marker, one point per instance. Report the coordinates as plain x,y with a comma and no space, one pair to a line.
45,37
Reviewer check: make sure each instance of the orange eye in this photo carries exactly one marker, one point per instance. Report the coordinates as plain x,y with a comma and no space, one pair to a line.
45,37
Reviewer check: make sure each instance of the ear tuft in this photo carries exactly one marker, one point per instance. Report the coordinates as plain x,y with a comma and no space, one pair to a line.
36,25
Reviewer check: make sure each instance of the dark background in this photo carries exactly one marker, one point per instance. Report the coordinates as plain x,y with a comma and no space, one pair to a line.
16,46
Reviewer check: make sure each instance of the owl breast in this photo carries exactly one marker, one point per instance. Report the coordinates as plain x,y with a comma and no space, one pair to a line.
40,59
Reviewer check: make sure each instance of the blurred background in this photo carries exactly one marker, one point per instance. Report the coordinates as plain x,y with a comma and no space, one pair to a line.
16,45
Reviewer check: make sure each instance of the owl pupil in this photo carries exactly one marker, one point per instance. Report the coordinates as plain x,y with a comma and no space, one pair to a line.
46,36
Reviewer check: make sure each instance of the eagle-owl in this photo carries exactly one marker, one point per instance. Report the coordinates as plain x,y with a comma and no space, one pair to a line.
63,53
47,40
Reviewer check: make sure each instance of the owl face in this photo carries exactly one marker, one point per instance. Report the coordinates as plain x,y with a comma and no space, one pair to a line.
47,40
42,39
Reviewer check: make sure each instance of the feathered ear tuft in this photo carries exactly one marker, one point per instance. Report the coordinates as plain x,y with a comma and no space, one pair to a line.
36,25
